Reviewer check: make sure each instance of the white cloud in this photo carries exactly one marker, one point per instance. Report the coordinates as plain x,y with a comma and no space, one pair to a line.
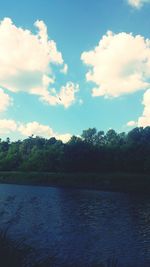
65,97
63,137
65,69
31,128
144,120
35,128
27,59
7,126
50,47
137,3
119,64
5,101
132,123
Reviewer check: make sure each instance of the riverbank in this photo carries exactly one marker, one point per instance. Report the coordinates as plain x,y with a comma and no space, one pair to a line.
123,182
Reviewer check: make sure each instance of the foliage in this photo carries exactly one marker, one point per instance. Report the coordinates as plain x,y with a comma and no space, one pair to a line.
93,151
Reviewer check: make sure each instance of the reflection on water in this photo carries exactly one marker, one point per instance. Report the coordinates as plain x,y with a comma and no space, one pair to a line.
79,226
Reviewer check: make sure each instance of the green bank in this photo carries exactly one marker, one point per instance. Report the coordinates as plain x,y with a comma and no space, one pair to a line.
124,182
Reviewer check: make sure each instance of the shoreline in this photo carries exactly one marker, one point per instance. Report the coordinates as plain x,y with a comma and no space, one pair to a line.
117,182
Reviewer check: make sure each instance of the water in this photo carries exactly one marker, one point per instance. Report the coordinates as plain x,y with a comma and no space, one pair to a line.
80,227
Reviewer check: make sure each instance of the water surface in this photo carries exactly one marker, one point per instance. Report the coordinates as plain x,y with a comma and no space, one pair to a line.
82,227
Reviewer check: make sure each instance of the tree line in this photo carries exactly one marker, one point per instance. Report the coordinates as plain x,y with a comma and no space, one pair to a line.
93,151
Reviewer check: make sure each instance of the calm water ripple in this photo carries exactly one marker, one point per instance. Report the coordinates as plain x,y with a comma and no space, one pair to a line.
79,226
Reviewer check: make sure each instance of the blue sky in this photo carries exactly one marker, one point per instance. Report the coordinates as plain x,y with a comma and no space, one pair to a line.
69,65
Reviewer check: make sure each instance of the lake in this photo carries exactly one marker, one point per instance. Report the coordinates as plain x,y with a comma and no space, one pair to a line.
79,227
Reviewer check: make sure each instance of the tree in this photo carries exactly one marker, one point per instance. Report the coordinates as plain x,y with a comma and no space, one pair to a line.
94,151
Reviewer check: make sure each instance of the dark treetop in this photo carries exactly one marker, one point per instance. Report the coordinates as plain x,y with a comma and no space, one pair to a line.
94,151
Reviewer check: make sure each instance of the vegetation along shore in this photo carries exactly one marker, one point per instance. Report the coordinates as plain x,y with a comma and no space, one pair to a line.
96,160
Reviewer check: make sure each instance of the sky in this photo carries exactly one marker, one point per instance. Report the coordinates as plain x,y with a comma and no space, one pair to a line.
66,66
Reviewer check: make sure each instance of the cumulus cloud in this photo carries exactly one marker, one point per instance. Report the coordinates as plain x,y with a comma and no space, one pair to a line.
27,60
53,55
65,69
34,128
7,126
137,3
132,123
63,137
5,100
119,64
144,120
25,56
65,97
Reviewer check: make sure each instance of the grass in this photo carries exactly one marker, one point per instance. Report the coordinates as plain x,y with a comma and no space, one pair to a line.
126,182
